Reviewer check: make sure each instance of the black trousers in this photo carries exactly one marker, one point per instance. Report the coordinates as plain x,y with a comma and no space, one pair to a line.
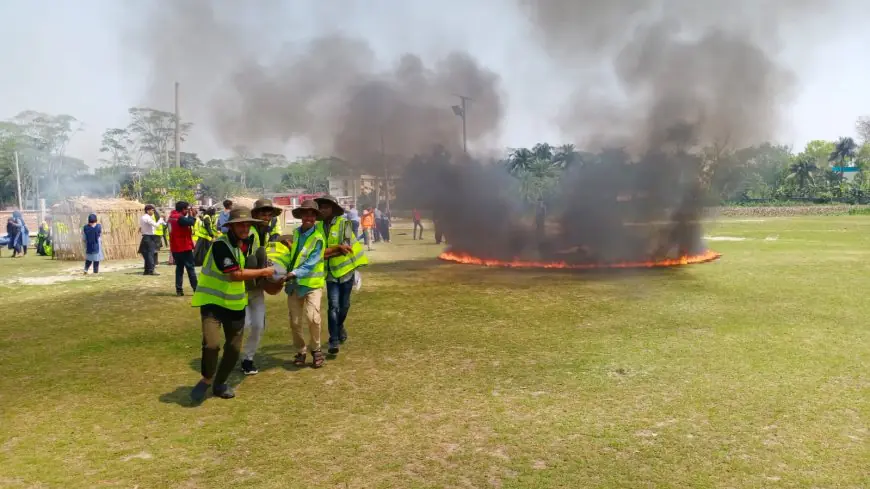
148,249
184,261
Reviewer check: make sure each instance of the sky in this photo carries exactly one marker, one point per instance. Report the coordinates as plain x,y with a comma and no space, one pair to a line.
75,58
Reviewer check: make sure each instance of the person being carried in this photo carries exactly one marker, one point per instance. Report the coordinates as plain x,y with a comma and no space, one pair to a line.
255,314
344,255
181,223
221,297
92,236
301,257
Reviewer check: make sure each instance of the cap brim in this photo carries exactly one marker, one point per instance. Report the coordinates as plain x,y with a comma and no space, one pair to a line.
243,221
339,210
298,211
275,210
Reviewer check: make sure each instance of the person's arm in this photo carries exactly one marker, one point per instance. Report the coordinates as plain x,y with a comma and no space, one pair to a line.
308,265
226,262
99,231
186,221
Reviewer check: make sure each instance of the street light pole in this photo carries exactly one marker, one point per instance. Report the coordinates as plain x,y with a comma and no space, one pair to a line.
177,131
462,111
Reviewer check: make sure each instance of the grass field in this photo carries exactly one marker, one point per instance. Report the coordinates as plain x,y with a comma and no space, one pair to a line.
753,371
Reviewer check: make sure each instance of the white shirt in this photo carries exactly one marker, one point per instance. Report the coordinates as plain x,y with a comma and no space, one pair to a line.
148,226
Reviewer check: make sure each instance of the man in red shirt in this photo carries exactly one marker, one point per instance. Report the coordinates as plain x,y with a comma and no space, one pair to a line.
181,222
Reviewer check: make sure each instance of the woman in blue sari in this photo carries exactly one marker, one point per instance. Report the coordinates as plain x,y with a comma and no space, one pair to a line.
14,231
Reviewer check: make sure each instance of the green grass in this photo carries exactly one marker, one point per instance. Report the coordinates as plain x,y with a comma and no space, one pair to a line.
753,371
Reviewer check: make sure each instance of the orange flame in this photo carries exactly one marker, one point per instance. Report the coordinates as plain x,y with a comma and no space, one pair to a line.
467,259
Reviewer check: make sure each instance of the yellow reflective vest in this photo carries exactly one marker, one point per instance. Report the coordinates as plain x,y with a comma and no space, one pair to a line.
215,287
293,257
340,265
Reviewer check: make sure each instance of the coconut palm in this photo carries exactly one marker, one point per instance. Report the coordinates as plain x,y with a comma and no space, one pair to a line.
566,156
520,161
543,151
803,171
845,150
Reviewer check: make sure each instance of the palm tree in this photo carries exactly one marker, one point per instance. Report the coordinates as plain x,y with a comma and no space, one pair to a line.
844,150
803,170
566,156
543,151
520,161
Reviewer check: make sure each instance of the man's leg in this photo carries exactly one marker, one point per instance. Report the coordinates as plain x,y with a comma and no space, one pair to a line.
96,267
333,299
294,306
255,323
345,290
311,312
211,346
179,273
87,265
233,331
148,256
191,269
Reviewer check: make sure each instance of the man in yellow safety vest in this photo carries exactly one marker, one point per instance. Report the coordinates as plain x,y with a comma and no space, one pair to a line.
222,298
301,258
344,255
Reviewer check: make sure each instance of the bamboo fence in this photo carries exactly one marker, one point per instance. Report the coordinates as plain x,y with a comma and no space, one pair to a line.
118,217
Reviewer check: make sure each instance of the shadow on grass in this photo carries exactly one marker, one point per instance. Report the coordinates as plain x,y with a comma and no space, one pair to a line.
180,396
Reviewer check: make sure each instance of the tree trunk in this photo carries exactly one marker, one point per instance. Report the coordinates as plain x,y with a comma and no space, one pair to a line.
377,192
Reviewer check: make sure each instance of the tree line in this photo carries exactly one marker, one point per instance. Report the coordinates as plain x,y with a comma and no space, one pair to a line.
138,161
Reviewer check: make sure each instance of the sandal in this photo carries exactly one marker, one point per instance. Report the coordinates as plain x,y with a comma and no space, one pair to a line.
299,360
318,359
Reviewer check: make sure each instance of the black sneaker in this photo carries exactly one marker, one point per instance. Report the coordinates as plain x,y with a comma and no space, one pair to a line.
199,391
179,293
333,350
224,391
249,368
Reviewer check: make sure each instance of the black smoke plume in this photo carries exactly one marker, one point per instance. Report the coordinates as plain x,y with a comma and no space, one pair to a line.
657,84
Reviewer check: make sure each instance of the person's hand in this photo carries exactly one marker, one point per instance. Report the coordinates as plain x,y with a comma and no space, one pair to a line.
345,249
267,272
289,276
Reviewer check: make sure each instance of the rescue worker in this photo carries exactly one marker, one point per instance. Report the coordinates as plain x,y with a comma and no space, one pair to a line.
255,314
205,236
274,230
43,238
221,297
344,254
301,257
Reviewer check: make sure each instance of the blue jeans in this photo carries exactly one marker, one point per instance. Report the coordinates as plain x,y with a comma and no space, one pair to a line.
338,297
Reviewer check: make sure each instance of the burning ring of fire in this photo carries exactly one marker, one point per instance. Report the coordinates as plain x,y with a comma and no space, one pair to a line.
705,257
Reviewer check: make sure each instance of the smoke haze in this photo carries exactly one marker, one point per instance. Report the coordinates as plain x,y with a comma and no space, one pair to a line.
653,83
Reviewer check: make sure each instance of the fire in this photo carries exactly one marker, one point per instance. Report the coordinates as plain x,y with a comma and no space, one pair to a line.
707,256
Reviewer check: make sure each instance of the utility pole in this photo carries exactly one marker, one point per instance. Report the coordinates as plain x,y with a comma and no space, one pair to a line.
461,111
18,178
386,172
177,130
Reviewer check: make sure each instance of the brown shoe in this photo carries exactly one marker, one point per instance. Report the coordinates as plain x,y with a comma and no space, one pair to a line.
299,360
318,359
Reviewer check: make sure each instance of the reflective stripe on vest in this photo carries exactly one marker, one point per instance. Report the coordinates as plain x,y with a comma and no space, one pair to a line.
340,265
216,287
317,278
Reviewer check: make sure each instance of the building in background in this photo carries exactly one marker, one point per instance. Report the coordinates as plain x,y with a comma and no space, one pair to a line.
352,187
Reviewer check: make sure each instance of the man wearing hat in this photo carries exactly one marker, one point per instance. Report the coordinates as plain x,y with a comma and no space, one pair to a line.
222,299
302,257
343,255
255,314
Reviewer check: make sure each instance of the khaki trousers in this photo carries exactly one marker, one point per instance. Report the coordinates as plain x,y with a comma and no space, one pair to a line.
305,312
